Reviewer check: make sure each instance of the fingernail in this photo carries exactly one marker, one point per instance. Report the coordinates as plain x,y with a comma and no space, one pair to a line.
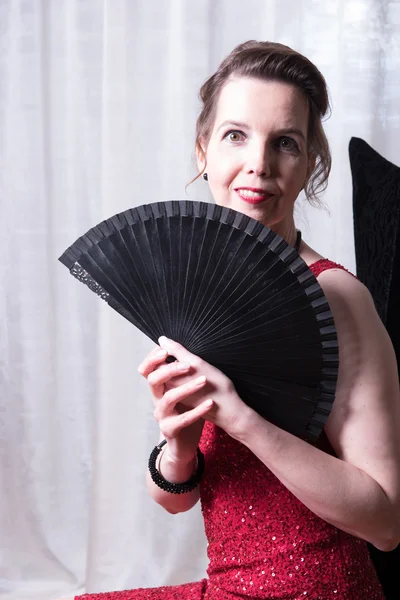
160,354
164,341
200,380
208,402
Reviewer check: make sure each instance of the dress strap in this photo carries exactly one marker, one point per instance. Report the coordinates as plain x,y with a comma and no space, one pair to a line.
324,264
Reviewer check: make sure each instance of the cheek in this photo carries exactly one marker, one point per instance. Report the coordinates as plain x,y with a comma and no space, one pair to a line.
222,167
293,172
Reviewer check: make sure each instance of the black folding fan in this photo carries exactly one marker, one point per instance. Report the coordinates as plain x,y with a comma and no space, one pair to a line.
228,289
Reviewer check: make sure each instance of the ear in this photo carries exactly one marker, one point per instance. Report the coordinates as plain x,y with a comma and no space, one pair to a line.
201,156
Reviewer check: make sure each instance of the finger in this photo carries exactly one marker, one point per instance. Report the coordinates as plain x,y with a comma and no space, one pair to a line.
152,360
167,403
171,426
178,351
166,372
157,379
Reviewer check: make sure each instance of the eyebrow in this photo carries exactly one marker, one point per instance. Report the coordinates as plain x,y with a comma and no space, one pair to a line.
234,123
287,131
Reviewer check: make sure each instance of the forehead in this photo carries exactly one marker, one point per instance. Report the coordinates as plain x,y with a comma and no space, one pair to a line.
262,104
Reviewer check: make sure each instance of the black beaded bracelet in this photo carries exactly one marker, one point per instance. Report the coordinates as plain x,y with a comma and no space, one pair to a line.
175,488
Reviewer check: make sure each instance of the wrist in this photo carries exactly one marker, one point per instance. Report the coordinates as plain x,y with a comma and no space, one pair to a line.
245,425
253,431
175,487
176,469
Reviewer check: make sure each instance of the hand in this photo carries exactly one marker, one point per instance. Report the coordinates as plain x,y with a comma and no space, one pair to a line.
170,384
228,411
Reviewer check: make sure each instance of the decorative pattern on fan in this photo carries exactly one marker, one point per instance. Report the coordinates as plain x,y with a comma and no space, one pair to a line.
228,289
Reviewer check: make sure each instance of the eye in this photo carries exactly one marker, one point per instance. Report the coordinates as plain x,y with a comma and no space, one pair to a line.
288,143
234,136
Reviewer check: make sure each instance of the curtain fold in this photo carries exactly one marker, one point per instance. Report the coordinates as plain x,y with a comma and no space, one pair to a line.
98,103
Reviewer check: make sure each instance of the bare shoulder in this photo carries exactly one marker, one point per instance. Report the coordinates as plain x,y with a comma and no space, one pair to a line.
364,426
344,288
353,309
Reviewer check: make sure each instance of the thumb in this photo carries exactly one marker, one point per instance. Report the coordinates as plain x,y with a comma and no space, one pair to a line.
175,349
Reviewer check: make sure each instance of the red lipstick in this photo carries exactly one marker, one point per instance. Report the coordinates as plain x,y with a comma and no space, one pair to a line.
252,195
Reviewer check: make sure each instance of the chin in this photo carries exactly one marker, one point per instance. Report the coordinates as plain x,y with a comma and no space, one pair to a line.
261,212
256,211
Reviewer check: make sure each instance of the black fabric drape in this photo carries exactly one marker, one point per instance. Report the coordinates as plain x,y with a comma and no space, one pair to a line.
376,209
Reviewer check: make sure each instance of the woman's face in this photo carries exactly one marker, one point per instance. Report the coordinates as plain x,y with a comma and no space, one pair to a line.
257,160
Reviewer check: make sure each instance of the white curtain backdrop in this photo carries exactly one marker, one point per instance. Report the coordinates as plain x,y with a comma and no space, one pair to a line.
98,101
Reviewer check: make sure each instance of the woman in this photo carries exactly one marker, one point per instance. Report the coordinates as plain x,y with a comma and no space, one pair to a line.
284,518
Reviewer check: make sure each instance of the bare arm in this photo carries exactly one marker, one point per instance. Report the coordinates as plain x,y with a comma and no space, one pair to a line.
175,472
359,491
170,384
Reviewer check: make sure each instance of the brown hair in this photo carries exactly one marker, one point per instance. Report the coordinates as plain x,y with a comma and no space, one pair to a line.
272,61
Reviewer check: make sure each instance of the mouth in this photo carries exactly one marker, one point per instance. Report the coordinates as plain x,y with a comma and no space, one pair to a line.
253,195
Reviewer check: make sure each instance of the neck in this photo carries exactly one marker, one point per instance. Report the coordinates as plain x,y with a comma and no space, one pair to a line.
288,231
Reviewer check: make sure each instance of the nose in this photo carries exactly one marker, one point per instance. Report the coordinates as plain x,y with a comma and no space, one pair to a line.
259,161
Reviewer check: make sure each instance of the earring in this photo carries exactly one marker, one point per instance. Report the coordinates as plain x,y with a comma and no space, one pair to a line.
205,176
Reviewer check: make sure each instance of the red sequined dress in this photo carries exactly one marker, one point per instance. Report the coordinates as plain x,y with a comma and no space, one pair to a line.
262,541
